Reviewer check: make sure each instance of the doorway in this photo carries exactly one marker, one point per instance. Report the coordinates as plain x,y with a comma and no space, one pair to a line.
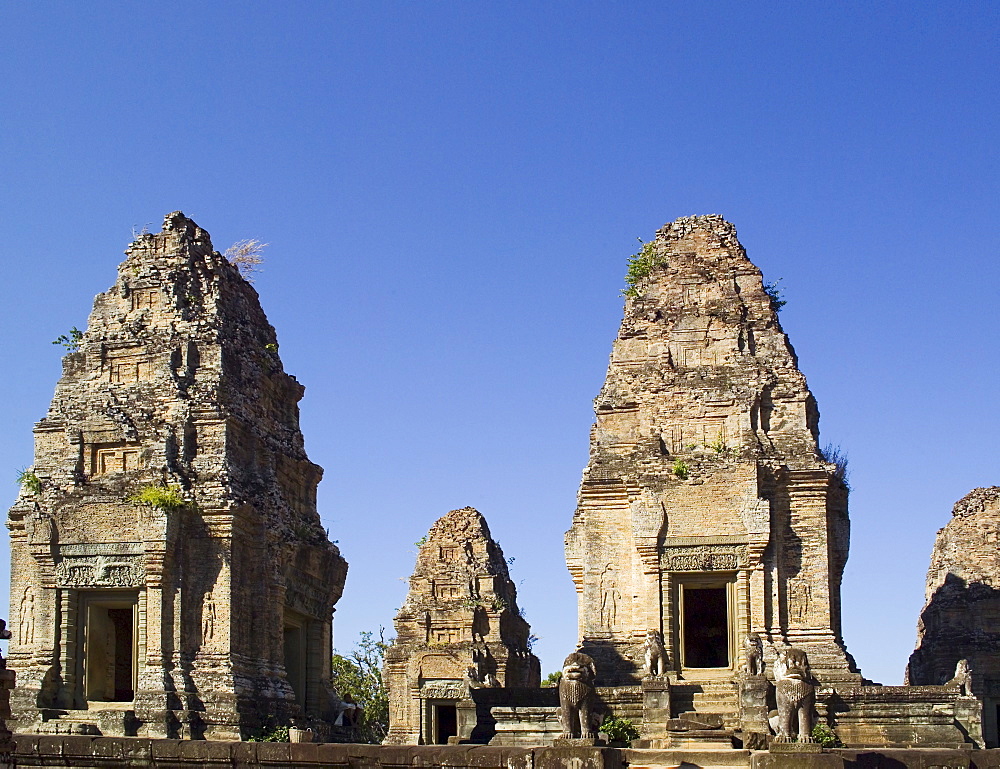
109,649
706,626
445,723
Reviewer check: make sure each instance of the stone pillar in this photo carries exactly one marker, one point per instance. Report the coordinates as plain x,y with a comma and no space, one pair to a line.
753,711
656,710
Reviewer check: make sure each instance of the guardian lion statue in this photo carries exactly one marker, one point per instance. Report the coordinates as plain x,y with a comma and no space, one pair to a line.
576,696
656,655
795,694
753,652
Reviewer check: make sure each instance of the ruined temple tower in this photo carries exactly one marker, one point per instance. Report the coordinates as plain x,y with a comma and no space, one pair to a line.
961,615
170,573
459,630
707,510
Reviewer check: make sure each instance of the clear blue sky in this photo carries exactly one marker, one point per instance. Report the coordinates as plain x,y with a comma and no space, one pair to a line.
451,190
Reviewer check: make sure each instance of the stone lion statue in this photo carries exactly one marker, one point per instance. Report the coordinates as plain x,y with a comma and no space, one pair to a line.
795,694
656,655
753,653
576,696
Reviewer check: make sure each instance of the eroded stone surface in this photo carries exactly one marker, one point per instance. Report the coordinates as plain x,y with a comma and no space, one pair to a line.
460,628
206,619
961,615
705,474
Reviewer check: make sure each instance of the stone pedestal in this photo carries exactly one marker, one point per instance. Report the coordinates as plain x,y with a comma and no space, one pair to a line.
753,711
7,679
655,705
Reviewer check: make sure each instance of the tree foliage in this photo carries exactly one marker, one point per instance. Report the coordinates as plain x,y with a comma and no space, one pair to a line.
359,676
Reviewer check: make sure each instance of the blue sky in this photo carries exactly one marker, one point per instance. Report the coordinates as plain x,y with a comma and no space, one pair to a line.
451,190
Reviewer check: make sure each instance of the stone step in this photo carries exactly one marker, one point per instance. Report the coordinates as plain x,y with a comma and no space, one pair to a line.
672,759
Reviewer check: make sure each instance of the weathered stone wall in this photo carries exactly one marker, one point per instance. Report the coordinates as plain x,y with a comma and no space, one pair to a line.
177,385
960,619
705,471
459,629
115,753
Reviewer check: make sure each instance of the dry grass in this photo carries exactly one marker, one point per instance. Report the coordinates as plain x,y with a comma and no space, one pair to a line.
247,256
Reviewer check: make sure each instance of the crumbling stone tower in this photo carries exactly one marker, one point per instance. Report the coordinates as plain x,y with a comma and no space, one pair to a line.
707,510
206,610
961,615
459,629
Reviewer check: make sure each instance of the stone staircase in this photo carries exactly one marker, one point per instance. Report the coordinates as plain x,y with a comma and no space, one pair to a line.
709,698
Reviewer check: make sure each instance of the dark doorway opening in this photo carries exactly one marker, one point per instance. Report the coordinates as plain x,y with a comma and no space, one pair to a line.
446,723
108,659
706,627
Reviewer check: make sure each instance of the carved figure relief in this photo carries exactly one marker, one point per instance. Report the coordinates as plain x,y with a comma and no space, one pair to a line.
26,628
610,595
208,617
799,596
656,655
704,558
101,571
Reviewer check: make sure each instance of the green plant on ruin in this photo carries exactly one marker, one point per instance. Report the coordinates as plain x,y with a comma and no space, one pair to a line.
826,736
421,542
165,498
640,265
28,481
272,347
270,734
776,294
70,341
719,445
681,469
619,729
247,257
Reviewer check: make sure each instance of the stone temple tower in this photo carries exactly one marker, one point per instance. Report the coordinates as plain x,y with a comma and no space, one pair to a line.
707,510
170,573
459,630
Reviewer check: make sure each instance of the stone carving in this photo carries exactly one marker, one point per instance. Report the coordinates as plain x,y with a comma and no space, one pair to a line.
963,678
576,694
656,655
460,622
799,595
208,617
443,690
753,654
26,628
610,596
795,694
101,571
703,558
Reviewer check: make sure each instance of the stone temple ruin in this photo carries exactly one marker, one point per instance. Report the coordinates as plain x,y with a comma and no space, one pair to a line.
960,620
171,577
170,574
458,631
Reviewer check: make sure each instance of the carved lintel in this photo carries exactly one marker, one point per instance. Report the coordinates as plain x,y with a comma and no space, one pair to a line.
101,571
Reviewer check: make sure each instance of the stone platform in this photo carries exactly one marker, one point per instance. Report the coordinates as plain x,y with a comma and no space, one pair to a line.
115,752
